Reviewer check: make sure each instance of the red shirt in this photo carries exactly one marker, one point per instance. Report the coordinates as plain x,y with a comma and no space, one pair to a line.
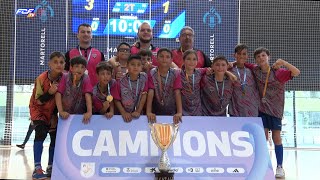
275,91
136,48
73,98
41,87
190,92
98,98
127,92
245,98
215,100
95,57
203,60
165,94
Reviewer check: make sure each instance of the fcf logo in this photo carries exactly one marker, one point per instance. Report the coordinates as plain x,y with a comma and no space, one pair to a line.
87,169
24,11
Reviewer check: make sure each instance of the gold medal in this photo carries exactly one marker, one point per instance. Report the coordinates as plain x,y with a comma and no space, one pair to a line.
109,98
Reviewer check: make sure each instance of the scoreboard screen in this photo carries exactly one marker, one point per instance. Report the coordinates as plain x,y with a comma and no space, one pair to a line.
122,18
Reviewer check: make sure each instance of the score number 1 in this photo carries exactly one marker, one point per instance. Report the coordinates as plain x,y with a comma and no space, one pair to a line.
166,28
166,7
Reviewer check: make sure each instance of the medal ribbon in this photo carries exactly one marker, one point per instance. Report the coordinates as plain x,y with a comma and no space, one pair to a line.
74,78
137,89
108,86
266,83
162,89
53,80
242,83
218,92
187,77
131,86
83,56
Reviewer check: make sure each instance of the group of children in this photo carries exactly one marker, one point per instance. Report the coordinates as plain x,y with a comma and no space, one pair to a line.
131,86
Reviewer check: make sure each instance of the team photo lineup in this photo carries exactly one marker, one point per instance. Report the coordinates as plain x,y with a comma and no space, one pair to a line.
143,79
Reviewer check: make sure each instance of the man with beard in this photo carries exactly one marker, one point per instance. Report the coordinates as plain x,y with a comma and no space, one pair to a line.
186,39
145,36
92,55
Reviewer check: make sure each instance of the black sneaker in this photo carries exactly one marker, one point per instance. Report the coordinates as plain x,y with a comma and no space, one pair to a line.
49,171
20,146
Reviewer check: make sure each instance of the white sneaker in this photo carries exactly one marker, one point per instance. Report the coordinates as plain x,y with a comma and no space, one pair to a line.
280,172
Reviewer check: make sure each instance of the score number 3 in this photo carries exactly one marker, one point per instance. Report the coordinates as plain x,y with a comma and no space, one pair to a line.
90,5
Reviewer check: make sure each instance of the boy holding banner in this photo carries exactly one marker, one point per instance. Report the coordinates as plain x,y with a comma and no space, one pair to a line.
74,92
130,93
271,85
164,95
101,96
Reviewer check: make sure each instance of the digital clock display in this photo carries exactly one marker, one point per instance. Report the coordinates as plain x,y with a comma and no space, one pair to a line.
122,18
127,27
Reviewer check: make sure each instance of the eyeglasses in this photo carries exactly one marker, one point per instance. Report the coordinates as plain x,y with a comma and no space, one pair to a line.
126,50
185,35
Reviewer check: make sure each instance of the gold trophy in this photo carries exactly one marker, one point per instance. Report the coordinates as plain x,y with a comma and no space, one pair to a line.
163,136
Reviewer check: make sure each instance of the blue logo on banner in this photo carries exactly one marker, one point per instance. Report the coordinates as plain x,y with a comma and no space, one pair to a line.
212,18
42,10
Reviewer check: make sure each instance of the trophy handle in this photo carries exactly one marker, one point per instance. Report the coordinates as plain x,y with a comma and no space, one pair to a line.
153,134
175,129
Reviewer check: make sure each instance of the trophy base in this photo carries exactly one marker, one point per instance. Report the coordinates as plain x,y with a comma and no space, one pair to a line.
164,176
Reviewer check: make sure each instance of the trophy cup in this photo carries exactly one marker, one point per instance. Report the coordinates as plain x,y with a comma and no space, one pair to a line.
163,136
